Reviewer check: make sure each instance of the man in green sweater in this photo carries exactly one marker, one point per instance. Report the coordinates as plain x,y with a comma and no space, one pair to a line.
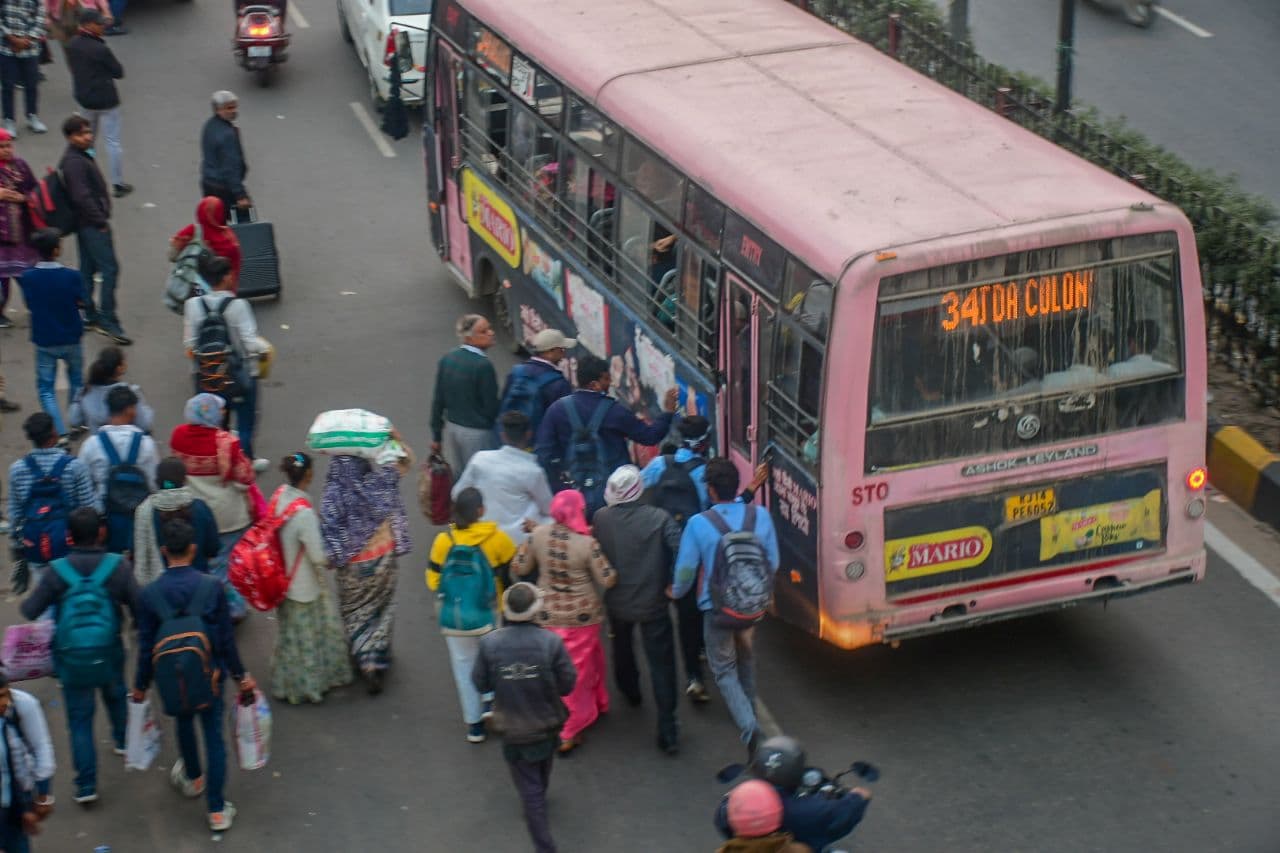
464,406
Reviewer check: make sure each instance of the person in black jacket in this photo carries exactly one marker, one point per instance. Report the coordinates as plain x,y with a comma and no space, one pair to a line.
527,669
92,207
222,165
94,72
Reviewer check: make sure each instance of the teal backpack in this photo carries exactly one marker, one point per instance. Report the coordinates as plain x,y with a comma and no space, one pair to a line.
467,592
87,651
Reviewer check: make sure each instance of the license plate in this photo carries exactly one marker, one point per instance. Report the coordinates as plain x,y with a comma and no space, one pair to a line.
260,50
1030,505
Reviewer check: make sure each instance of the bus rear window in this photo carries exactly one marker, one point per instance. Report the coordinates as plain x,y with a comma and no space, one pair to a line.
1054,322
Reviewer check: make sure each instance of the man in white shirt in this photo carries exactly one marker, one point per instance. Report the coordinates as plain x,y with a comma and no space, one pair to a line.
122,434
1144,336
244,339
514,486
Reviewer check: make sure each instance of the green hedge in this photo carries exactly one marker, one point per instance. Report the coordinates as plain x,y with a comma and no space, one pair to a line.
1239,249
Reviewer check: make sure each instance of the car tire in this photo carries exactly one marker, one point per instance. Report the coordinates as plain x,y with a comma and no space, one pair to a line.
379,102
342,25
1140,13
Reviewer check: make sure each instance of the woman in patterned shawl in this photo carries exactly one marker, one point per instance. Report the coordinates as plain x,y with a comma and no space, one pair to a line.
16,254
365,529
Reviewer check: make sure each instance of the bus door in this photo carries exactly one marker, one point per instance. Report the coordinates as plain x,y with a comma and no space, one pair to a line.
448,214
747,324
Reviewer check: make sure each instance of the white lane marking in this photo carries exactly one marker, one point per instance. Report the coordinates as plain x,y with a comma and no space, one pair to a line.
1174,17
362,116
296,14
1243,562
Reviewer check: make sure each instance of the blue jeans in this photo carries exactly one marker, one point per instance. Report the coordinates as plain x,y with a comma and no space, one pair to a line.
731,657
218,568
247,416
80,707
110,121
47,359
211,725
19,70
117,10
12,838
98,255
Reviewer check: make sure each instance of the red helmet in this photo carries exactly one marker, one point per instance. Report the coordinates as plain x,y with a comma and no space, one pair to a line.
755,809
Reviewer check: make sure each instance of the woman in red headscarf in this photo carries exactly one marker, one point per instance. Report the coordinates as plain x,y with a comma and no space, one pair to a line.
16,254
211,220
573,572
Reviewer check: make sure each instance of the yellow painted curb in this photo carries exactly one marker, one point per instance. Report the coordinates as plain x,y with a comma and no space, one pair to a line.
1236,462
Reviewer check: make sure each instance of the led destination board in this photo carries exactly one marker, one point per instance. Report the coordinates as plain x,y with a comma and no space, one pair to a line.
1039,296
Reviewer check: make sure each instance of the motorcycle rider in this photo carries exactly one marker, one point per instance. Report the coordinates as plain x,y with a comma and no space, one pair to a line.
816,820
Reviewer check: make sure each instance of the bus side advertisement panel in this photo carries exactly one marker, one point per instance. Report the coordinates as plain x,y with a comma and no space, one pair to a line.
793,504
1038,526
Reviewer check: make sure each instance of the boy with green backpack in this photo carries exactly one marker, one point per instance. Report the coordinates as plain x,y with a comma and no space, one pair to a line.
88,587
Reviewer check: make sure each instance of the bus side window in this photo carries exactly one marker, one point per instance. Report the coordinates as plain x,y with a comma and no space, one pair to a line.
797,385
696,325
487,109
533,151
740,361
651,270
808,299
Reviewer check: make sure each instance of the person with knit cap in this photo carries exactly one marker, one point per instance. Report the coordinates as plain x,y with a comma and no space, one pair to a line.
571,570
755,816
528,670
172,499
641,542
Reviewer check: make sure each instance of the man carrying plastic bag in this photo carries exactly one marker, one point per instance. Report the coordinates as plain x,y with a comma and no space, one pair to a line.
141,737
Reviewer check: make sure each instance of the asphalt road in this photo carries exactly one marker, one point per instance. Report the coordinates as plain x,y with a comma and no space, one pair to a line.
1211,100
1147,726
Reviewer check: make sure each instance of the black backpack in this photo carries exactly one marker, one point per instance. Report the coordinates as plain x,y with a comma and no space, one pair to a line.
218,362
586,466
127,487
186,673
675,491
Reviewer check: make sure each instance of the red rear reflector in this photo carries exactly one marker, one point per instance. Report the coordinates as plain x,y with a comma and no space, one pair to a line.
1196,478
853,540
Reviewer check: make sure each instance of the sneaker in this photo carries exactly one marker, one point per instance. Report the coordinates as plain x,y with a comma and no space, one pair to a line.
120,30
5,322
36,125
8,406
116,334
187,787
697,692
118,750
260,465
487,710
121,190
86,795
11,126
476,733
221,821
93,324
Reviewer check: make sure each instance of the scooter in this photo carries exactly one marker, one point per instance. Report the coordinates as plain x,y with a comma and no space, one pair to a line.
261,41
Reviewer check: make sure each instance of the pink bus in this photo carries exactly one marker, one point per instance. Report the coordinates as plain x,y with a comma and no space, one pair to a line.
974,362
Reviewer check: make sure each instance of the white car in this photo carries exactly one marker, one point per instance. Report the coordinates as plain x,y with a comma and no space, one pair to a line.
372,26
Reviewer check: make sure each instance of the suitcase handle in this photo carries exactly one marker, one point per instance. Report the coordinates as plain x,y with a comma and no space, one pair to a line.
233,215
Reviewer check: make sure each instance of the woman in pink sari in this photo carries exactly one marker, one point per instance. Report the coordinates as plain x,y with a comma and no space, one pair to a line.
573,572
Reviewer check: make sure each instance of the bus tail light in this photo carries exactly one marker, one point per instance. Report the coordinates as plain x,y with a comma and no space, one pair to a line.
855,570
1195,480
853,540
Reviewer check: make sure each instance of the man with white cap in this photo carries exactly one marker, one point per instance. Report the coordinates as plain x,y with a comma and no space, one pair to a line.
641,542
527,669
533,386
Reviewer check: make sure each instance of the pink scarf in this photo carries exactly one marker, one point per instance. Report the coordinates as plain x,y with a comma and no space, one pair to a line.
570,509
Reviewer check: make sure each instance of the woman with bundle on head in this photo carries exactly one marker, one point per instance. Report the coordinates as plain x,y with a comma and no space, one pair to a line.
365,530
311,648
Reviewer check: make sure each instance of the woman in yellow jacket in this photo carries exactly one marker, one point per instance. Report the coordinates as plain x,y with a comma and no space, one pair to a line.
467,591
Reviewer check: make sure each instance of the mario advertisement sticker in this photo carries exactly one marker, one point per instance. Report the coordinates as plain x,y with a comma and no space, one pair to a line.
491,218
1100,525
935,553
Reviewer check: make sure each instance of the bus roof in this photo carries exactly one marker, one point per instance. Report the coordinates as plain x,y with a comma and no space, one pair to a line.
834,149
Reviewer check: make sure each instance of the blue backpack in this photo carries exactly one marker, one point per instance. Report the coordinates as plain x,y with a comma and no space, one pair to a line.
524,393
44,525
186,675
126,488
467,592
87,651
586,465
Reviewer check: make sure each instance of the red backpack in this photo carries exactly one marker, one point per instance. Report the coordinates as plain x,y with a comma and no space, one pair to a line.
256,565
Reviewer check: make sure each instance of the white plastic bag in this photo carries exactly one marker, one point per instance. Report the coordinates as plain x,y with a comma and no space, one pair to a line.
141,736
354,432
253,731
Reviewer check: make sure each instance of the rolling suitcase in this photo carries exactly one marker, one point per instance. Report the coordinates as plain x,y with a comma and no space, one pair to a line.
260,263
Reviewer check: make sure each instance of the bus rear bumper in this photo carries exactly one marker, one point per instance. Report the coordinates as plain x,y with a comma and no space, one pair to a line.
966,609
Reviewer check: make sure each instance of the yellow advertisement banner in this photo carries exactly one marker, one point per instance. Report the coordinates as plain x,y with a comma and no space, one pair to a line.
1100,525
491,218
935,553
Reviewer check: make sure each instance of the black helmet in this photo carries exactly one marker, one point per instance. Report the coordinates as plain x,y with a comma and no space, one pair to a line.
781,761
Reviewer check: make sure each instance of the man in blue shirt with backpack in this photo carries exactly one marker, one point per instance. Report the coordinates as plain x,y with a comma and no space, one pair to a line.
181,615
89,586
733,550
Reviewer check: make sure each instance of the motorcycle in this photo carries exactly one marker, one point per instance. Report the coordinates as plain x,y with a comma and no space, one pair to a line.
261,42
